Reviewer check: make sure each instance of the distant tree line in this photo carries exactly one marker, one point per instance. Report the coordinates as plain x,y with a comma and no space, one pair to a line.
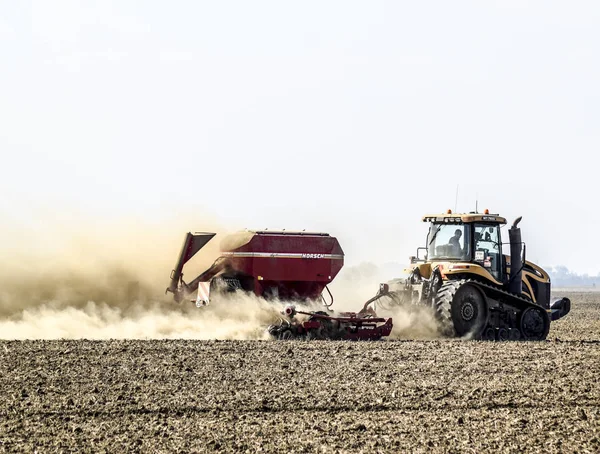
561,276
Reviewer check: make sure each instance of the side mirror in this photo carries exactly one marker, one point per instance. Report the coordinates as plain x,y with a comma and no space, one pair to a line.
412,259
422,254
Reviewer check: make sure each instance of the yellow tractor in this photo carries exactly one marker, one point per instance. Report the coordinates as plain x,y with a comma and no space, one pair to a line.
475,289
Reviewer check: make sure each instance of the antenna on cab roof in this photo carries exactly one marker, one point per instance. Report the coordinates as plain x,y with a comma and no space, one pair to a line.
456,199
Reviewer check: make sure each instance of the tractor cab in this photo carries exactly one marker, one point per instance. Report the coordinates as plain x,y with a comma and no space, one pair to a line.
472,237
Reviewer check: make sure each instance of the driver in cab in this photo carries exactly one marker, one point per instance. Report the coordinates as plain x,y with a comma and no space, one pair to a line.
455,242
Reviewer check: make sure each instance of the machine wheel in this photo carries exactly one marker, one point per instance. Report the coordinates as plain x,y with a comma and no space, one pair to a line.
489,334
469,311
534,324
280,332
502,335
462,308
286,335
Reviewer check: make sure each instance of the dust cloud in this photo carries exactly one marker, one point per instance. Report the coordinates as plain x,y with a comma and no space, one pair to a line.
243,318
99,280
357,284
412,322
84,278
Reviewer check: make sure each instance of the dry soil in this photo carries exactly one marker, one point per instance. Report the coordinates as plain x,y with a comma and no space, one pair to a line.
318,396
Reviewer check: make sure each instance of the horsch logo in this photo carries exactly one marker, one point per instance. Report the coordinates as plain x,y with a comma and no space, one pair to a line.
313,256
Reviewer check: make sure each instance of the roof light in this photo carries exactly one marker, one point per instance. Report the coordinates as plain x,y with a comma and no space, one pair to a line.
449,212
486,211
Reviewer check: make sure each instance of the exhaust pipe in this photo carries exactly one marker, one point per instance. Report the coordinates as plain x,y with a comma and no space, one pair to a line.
516,260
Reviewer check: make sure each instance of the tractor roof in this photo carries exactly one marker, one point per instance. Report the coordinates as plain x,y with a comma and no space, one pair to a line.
463,218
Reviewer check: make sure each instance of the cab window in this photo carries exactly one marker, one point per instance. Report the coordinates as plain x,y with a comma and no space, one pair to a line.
448,242
487,248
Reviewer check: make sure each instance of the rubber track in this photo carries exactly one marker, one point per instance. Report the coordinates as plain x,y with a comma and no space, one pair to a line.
443,300
442,303
506,297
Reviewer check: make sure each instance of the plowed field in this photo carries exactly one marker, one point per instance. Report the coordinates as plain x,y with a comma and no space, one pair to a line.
391,396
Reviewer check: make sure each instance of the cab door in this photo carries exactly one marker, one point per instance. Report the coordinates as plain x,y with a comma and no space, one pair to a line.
488,249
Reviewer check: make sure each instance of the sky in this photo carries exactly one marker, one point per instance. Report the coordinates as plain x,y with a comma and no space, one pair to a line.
354,118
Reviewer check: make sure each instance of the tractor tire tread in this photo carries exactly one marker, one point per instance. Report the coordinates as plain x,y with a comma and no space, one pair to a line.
442,304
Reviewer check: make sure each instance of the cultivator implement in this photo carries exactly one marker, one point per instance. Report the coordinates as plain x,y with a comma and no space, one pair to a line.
320,325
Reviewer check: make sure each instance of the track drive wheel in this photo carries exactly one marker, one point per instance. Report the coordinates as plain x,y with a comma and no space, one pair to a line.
462,308
469,311
534,324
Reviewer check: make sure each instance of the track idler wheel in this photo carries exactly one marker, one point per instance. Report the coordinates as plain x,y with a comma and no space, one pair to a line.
534,324
469,311
502,335
489,334
514,334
